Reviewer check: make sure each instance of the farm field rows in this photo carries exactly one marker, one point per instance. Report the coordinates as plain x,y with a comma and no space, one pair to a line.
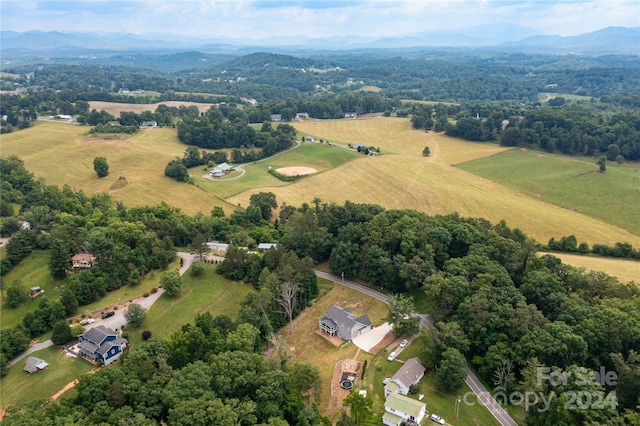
402,178
570,182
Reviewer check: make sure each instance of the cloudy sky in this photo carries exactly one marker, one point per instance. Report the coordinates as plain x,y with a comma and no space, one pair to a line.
315,18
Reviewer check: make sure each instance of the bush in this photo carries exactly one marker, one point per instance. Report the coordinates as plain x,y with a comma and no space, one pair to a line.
154,290
146,335
146,294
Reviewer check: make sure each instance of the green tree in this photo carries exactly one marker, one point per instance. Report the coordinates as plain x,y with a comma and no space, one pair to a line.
426,151
171,282
402,315
61,333
360,406
602,164
451,373
69,301
16,294
135,314
308,378
101,166
266,202
199,246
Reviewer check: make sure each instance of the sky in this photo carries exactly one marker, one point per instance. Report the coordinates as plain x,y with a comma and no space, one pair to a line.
257,19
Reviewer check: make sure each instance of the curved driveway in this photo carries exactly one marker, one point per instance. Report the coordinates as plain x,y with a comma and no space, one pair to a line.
117,321
484,397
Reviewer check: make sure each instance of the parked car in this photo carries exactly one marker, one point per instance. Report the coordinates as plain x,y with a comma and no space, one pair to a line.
108,314
437,419
404,343
391,356
87,321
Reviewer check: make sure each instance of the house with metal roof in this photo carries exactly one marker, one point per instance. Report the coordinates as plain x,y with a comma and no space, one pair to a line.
33,365
400,409
411,372
343,323
101,344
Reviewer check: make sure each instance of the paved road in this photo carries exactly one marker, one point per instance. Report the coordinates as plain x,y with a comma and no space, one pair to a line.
426,322
117,321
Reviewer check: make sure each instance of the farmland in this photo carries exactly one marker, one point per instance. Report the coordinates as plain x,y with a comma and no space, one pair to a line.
402,178
399,178
115,108
63,154
569,182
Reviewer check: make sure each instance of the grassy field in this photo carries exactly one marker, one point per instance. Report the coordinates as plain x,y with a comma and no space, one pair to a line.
115,108
19,387
544,97
399,178
626,270
402,178
208,293
569,182
318,156
32,271
63,154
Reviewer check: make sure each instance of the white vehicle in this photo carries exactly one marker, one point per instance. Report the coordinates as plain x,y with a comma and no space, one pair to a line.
404,343
437,419
391,356
87,321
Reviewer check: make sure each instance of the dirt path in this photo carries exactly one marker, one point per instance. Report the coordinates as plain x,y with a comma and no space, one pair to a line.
69,386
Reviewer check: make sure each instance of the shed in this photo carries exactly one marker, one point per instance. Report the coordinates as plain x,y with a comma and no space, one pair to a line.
33,365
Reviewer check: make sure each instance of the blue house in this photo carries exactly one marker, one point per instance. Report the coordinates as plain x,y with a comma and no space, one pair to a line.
101,344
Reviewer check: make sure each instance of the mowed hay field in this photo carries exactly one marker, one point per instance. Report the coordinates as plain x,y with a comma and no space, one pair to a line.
64,153
115,108
570,182
626,270
402,178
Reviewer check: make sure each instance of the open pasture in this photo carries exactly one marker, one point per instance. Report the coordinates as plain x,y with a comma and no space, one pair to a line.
402,178
256,175
626,270
115,108
570,182
63,154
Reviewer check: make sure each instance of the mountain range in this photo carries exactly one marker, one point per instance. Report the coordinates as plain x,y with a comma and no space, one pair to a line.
611,40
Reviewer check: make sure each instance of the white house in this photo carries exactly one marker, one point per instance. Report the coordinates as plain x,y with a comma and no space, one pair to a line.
399,409
409,374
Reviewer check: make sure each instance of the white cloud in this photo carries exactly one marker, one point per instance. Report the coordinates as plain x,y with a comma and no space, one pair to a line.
263,18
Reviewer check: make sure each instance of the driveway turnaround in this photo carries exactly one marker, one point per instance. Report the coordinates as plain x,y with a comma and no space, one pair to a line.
369,340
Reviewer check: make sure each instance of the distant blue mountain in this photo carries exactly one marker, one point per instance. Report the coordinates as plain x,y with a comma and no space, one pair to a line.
612,40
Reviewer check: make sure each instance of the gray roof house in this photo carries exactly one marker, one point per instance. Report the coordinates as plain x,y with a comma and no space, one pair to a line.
343,323
101,344
409,374
33,364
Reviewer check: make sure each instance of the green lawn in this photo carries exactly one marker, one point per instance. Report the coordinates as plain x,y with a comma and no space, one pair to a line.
440,403
208,293
318,156
128,292
569,182
32,271
19,387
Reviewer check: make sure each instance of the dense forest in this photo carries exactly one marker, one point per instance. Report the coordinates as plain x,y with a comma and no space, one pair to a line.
507,310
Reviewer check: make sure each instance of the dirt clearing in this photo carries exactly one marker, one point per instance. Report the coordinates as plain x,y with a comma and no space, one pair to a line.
296,171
